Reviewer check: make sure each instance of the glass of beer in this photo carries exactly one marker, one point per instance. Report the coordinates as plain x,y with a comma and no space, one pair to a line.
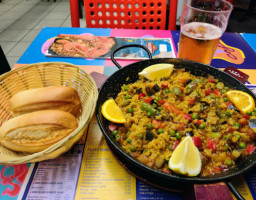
202,24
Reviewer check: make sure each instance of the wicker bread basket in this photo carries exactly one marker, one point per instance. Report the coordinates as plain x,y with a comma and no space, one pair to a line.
43,75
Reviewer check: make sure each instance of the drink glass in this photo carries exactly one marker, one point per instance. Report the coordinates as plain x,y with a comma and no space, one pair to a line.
201,26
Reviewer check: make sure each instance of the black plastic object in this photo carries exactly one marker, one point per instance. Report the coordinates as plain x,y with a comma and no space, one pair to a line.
5,67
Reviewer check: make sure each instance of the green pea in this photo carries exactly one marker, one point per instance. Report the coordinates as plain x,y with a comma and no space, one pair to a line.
238,136
226,137
201,126
172,133
194,116
117,136
228,114
226,147
149,114
254,110
127,97
130,110
157,98
125,87
228,162
242,145
215,135
223,91
249,112
129,141
236,124
145,150
178,135
159,108
114,132
132,149
225,99
226,88
160,130
140,135
167,91
149,126
154,105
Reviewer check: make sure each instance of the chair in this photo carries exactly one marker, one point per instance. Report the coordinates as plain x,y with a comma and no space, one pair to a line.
4,67
125,14
130,14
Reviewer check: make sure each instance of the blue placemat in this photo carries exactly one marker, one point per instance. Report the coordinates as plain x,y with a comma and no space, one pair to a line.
250,38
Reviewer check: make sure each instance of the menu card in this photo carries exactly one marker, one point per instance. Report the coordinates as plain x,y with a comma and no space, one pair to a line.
88,46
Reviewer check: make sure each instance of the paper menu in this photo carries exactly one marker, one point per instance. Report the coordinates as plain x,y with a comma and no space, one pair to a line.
54,179
101,176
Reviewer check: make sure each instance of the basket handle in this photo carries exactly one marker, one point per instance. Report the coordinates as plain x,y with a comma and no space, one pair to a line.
128,46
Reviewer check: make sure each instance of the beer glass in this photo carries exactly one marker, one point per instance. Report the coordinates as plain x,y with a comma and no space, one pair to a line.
201,27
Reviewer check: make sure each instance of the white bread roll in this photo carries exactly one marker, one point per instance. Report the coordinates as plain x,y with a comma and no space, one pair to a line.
36,131
63,98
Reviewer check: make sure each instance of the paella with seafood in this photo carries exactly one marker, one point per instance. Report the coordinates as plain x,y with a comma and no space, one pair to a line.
159,114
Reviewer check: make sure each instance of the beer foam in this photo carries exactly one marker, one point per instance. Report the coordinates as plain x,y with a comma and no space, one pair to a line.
201,31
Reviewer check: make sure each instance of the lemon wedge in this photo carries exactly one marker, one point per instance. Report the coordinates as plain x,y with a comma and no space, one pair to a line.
157,71
242,101
186,158
112,112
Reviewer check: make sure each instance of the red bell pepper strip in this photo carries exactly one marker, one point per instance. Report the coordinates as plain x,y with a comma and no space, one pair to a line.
207,91
148,100
211,145
161,102
140,96
246,116
228,104
211,80
231,129
175,144
191,101
217,92
197,141
188,117
164,85
250,149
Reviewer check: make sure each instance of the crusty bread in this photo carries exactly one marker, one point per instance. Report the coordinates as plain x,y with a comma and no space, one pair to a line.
36,131
63,98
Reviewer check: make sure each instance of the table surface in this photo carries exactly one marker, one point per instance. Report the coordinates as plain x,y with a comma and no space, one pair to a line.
23,181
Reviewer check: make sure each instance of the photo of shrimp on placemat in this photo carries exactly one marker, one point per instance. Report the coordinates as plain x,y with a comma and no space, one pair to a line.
88,46
80,46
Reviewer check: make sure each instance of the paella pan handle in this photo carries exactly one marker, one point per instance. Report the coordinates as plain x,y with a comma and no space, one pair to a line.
127,46
234,190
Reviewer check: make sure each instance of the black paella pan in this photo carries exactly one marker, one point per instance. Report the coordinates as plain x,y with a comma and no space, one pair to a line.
129,74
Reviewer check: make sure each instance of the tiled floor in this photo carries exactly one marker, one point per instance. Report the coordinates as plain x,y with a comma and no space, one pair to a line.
22,20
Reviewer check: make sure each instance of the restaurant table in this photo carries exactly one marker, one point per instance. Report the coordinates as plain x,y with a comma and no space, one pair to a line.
89,170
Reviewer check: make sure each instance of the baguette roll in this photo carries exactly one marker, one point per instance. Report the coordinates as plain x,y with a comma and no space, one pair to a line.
36,131
63,98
